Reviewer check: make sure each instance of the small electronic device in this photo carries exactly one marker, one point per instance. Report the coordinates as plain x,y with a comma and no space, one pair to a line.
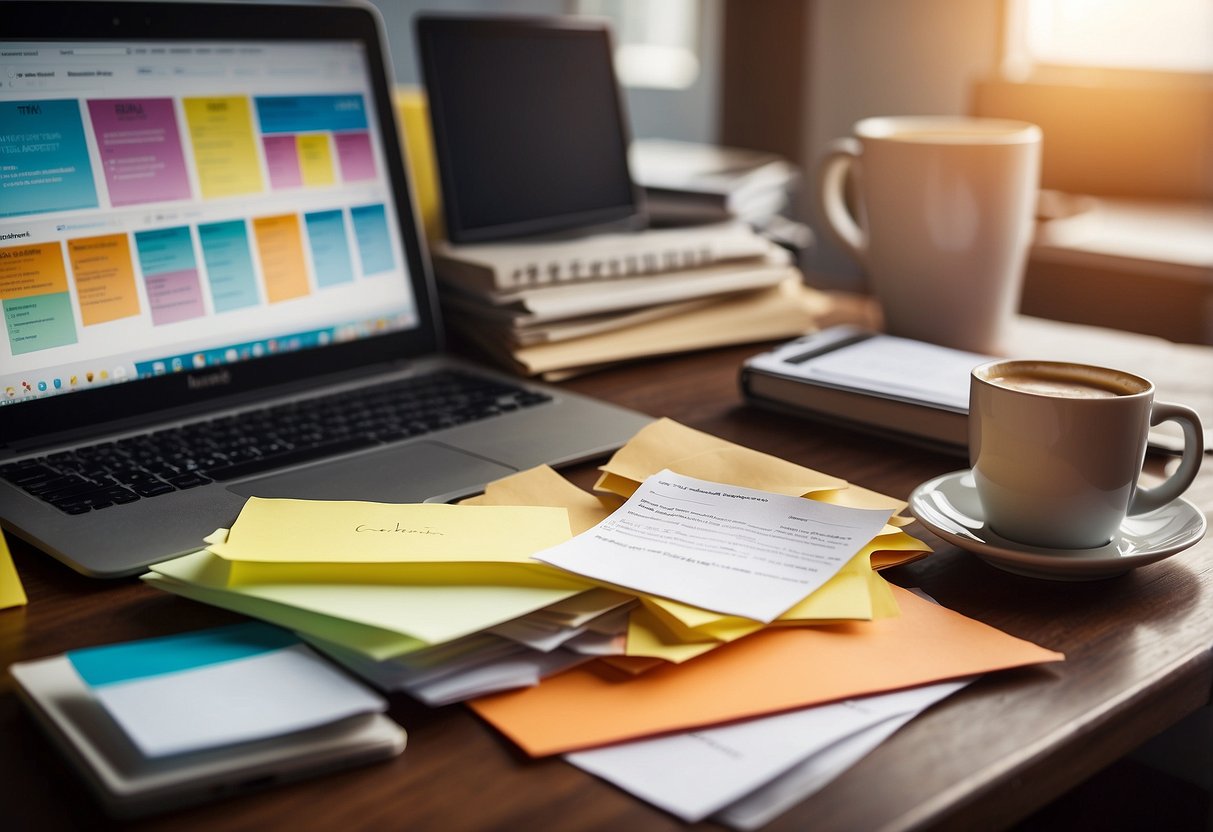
530,131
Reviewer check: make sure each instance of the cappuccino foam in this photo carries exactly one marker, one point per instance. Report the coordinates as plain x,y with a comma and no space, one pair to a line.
1066,381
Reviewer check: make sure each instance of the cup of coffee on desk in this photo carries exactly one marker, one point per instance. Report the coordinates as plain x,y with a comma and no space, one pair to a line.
1057,449
945,209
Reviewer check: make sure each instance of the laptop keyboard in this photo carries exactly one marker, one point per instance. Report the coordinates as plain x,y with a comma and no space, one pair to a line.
112,473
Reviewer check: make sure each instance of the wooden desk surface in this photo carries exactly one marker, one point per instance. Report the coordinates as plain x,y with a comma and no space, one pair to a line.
1138,651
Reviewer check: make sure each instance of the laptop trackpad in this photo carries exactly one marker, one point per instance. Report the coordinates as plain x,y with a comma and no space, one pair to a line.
406,474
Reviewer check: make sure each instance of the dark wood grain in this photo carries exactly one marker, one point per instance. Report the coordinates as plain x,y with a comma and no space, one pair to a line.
1137,647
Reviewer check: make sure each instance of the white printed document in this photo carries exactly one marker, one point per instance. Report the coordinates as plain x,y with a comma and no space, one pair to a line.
733,550
694,774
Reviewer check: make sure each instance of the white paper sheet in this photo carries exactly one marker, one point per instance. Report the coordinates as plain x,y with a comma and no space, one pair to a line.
694,774
493,664
897,366
267,695
807,777
734,550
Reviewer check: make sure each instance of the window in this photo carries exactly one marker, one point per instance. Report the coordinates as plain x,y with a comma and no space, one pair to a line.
655,42
1154,35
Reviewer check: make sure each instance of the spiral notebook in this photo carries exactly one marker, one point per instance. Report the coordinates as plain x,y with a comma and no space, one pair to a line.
494,267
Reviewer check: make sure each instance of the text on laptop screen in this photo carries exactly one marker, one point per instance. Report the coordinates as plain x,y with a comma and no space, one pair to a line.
172,206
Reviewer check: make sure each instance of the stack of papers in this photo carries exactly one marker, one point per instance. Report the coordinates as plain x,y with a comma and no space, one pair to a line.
708,601
444,602
686,180
554,309
697,719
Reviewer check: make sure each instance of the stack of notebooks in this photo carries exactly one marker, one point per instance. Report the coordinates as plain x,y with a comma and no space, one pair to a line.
557,308
708,630
688,181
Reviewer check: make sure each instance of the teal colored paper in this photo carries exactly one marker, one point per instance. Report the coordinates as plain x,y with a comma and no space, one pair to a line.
44,165
229,265
112,663
374,242
330,250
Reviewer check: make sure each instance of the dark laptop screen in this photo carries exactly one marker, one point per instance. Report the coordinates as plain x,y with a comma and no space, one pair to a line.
170,206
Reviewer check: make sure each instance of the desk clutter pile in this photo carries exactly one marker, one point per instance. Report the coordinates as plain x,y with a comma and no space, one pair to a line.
699,711
556,309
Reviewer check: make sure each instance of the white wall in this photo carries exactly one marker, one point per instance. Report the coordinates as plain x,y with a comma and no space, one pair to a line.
689,114
887,57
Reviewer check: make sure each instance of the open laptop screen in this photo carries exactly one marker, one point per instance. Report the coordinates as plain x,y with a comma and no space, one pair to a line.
201,207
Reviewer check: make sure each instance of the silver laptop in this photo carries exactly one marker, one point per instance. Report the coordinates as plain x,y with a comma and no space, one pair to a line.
213,287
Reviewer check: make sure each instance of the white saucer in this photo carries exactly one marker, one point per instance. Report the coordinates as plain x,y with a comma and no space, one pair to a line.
949,507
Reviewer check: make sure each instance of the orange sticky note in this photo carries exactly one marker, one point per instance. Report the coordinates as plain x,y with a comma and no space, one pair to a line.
775,670
280,244
28,270
105,279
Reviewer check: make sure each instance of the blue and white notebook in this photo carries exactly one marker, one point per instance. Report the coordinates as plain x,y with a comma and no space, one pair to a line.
219,687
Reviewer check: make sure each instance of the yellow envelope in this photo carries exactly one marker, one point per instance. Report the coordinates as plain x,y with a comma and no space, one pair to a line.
542,486
697,454
854,593
344,531
405,617
775,670
12,594
674,632
324,541
668,444
651,635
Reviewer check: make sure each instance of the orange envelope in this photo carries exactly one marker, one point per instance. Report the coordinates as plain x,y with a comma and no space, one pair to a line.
777,669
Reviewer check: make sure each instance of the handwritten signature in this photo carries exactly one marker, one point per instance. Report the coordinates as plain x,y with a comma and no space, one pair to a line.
398,529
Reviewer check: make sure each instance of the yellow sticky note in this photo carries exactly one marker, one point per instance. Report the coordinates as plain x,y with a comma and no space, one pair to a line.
225,152
370,641
375,618
315,159
12,594
419,154
338,531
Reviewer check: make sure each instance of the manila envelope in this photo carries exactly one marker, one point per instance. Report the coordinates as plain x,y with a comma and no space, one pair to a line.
778,669
668,444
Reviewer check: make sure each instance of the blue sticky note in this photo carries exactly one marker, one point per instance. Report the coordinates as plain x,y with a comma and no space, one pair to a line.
374,241
112,663
330,251
44,164
229,264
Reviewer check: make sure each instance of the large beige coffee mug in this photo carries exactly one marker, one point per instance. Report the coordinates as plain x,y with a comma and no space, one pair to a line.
1057,449
945,217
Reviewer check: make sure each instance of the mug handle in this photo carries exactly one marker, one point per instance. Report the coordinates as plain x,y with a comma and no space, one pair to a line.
840,155
1148,499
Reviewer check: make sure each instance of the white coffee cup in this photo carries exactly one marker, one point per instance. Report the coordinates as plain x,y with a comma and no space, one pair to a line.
1057,449
946,209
